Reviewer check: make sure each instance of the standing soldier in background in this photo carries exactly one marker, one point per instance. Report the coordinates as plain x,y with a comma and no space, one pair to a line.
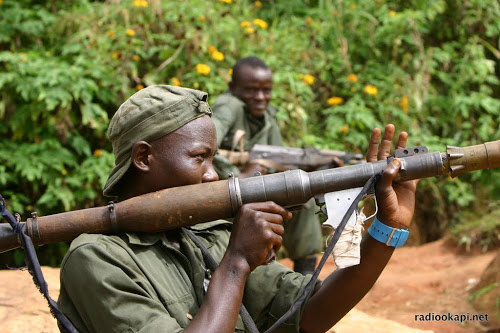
243,118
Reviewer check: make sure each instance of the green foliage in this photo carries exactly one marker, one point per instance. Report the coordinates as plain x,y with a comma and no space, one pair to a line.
479,232
340,69
484,291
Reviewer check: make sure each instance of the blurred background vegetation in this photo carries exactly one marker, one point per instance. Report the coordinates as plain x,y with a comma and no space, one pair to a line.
340,69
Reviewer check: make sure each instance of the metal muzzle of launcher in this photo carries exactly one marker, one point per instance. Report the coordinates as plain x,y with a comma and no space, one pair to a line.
458,160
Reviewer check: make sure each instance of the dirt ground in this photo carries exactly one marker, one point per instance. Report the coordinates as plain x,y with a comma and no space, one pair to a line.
433,278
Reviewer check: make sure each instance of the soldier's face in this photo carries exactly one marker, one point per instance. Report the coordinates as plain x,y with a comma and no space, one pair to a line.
184,157
254,87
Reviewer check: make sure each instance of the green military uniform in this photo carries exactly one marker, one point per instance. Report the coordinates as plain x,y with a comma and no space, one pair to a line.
302,233
139,282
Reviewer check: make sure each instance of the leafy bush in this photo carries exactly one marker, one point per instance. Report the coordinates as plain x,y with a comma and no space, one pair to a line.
340,69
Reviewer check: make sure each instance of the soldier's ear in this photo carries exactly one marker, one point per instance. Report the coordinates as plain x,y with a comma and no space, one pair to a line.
141,156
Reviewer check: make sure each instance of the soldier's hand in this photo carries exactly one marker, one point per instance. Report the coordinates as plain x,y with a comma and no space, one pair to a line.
396,202
257,230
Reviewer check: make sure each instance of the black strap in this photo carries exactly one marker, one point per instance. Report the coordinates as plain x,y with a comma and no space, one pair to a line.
35,270
212,265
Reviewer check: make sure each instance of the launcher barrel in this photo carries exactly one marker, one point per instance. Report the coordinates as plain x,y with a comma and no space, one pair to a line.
188,205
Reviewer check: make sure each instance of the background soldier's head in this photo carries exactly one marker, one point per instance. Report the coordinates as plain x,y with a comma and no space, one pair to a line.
252,82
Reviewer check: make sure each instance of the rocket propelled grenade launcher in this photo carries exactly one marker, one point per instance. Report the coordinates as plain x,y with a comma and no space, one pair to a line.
192,204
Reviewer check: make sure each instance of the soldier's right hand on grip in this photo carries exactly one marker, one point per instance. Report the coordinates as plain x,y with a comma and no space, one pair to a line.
257,230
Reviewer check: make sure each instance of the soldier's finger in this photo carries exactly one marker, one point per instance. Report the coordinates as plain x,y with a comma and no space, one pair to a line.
277,229
402,140
386,143
371,154
271,207
390,172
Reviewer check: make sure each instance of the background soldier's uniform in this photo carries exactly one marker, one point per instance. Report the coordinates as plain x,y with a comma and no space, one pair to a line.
302,237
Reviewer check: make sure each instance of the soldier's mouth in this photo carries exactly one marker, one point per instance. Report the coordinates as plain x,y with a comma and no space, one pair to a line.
259,106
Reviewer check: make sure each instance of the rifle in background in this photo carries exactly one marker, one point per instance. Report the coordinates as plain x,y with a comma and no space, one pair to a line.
288,158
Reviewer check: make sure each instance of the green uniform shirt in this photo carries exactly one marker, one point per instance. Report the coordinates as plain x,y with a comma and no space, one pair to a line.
139,282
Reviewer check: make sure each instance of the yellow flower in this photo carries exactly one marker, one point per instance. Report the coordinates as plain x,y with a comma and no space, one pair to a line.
245,24
371,90
260,23
64,172
116,54
212,49
130,32
344,129
176,82
97,153
136,58
111,33
392,13
218,56
1,2
230,72
203,69
258,4
352,6
307,79
226,1
249,30
352,78
201,18
309,20
139,87
404,104
140,3
196,85
335,100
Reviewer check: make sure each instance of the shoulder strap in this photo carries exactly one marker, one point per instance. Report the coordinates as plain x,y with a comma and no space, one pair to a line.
212,265
35,270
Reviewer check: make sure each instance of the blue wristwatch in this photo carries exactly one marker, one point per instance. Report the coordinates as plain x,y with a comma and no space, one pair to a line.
387,235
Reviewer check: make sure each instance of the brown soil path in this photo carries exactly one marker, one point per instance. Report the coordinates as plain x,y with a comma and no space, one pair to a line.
433,278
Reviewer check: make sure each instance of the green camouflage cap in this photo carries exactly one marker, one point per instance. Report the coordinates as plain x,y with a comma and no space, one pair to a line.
148,115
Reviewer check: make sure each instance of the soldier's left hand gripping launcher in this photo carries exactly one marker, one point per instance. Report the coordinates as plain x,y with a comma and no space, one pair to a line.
192,204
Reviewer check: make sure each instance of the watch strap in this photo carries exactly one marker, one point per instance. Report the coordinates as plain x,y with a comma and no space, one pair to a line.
387,235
